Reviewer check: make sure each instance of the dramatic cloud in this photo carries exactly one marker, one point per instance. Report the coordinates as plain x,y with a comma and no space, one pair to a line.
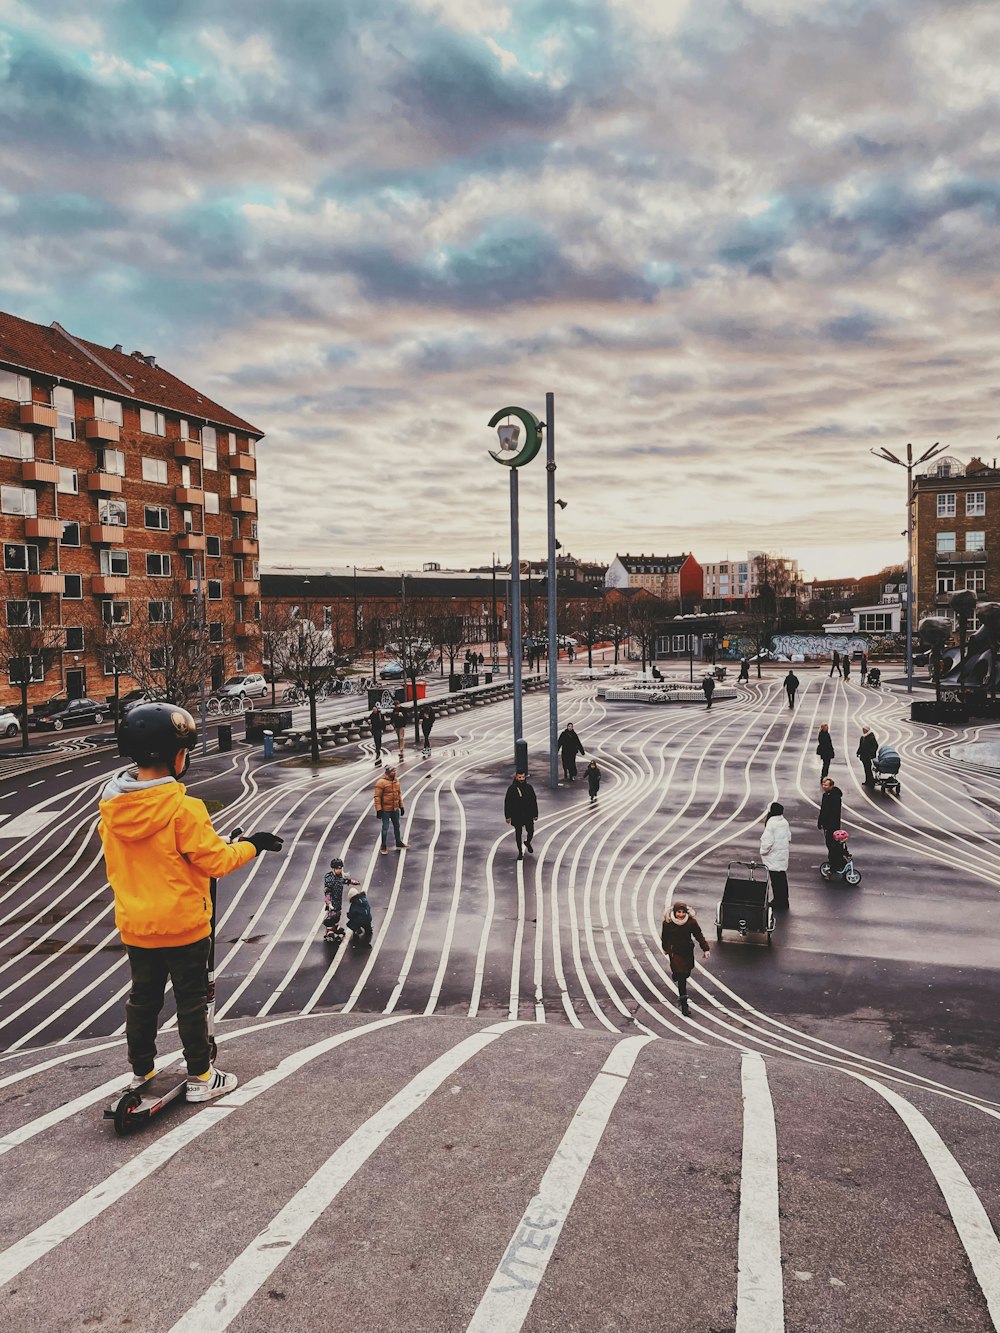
741,240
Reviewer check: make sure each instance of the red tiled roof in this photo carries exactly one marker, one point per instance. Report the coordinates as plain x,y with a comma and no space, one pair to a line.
49,350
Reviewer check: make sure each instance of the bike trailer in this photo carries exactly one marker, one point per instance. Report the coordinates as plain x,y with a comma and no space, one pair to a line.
746,902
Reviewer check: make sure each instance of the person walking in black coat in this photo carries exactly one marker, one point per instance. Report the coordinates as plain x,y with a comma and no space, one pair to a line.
708,685
835,664
863,667
680,930
427,726
744,670
824,748
791,684
593,780
397,720
520,809
830,813
569,746
867,750
377,723
845,663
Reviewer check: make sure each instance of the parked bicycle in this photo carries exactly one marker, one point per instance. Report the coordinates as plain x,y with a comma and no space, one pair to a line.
227,705
293,694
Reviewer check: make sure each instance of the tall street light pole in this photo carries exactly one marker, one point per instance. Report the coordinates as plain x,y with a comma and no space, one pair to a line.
910,464
550,497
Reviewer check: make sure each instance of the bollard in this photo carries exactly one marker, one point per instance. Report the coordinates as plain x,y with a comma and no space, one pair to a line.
225,737
268,744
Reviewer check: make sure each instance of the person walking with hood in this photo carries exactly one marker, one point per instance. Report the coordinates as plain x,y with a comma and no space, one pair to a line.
677,939
791,684
867,751
593,780
520,808
708,685
569,746
830,813
775,843
377,723
824,748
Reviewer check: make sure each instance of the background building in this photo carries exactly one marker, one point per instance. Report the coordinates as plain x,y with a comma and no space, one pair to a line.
956,534
675,578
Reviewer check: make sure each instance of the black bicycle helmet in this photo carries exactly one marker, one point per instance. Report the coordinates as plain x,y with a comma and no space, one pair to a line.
336,864
155,733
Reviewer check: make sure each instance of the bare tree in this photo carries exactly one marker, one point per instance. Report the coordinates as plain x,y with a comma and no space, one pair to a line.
412,646
170,653
274,623
448,628
646,616
27,645
117,648
305,655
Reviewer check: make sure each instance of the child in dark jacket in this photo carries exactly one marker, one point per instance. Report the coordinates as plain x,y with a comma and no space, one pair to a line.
593,780
359,915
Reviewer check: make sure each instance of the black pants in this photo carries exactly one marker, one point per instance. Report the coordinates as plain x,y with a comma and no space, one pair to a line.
791,698
779,883
186,966
377,738
831,846
528,829
869,775
569,767
681,982
826,767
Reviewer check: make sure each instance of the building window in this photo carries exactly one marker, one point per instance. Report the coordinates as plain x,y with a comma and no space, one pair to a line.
158,565
152,423
975,504
111,461
240,662
187,520
160,613
975,541
945,542
36,669
232,442
154,469
186,474
18,500
108,409
253,529
16,444
215,590
875,622
240,614
15,387
236,527
255,570
114,563
945,582
69,482
72,587
21,614
946,505
74,638
211,502
238,568
188,566
234,484
158,659
157,516
188,432
210,451
63,402
116,613
22,559
215,632
213,546
975,580
256,610
112,514
70,534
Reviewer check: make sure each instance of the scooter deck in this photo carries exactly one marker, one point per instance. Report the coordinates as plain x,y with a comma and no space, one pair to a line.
167,1086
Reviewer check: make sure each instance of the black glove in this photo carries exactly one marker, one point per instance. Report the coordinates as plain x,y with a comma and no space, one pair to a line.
264,842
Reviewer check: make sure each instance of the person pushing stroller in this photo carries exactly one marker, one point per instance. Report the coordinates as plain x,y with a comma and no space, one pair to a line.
334,883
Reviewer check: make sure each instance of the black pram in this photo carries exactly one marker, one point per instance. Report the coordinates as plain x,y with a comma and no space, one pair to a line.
746,902
885,767
874,678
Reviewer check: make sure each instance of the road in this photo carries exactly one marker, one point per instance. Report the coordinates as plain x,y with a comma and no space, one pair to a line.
826,1121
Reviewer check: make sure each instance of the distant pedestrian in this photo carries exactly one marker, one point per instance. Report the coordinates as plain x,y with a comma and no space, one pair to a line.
867,750
389,806
520,808
863,667
376,721
569,746
775,843
835,664
708,685
791,684
480,659
397,720
426,727
593,780
824,748
830,813
744,670
677,938
845,664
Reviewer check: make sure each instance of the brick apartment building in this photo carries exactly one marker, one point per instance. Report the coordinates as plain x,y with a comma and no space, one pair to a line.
120,486
675,578
956,534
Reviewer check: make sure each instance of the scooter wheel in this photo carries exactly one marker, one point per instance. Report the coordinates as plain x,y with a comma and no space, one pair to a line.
824,870
124,1121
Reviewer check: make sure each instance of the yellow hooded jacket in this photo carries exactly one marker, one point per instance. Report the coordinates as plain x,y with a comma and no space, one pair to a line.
161,850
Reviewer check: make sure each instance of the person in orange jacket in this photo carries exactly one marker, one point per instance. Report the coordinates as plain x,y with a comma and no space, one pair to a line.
389,806
161,852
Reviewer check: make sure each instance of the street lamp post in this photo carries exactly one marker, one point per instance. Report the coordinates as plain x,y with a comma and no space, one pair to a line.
910,464
550,499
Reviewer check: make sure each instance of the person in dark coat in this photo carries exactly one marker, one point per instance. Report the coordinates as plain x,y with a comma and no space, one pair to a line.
708,685
863,667
569,746
824,748
520,808
744,670
845,663
680,930
427,726
377,723
397,720
791,684
867,750
835,664
593,780
830,813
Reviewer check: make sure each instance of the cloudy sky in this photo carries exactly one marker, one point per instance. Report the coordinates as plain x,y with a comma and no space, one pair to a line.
742,241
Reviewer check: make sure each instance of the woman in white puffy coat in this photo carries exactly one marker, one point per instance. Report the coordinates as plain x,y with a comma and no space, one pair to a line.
775,844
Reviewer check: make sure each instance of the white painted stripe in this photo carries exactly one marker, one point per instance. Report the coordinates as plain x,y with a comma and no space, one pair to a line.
507,1300
233,1289
759,1298
23,1253
967,1212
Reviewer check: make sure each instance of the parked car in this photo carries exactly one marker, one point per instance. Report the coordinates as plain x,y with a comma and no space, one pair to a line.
251,685
392,671
10,723
61,713
128,700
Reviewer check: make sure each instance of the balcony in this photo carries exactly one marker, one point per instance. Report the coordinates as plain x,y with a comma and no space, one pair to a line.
188,449
43,527
39,415
243,463
105,483
246,546
192,541
107,431
189,495
108,585
960,557
46,583
246,588
40,472
188,587
242,504
247,629
107,534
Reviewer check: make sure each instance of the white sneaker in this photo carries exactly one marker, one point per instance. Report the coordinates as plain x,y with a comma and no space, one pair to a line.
217,1084
140,1080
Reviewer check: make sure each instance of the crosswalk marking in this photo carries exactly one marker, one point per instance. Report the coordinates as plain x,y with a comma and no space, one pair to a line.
759,1294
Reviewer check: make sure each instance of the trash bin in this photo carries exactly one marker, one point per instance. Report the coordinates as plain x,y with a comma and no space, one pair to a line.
421,690
268,744
225,737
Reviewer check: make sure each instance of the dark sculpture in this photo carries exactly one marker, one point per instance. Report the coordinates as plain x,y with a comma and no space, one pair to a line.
974,664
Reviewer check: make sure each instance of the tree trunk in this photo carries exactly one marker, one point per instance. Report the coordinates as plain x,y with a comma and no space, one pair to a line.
313,731
24,717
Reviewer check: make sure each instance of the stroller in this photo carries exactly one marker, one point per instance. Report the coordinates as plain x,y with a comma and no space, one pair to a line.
746,902
885,768
874,678
841,864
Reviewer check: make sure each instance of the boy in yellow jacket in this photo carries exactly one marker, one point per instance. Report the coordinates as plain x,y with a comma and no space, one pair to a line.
161,851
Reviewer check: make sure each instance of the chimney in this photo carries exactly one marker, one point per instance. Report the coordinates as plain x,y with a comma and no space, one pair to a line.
118,348
149,360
